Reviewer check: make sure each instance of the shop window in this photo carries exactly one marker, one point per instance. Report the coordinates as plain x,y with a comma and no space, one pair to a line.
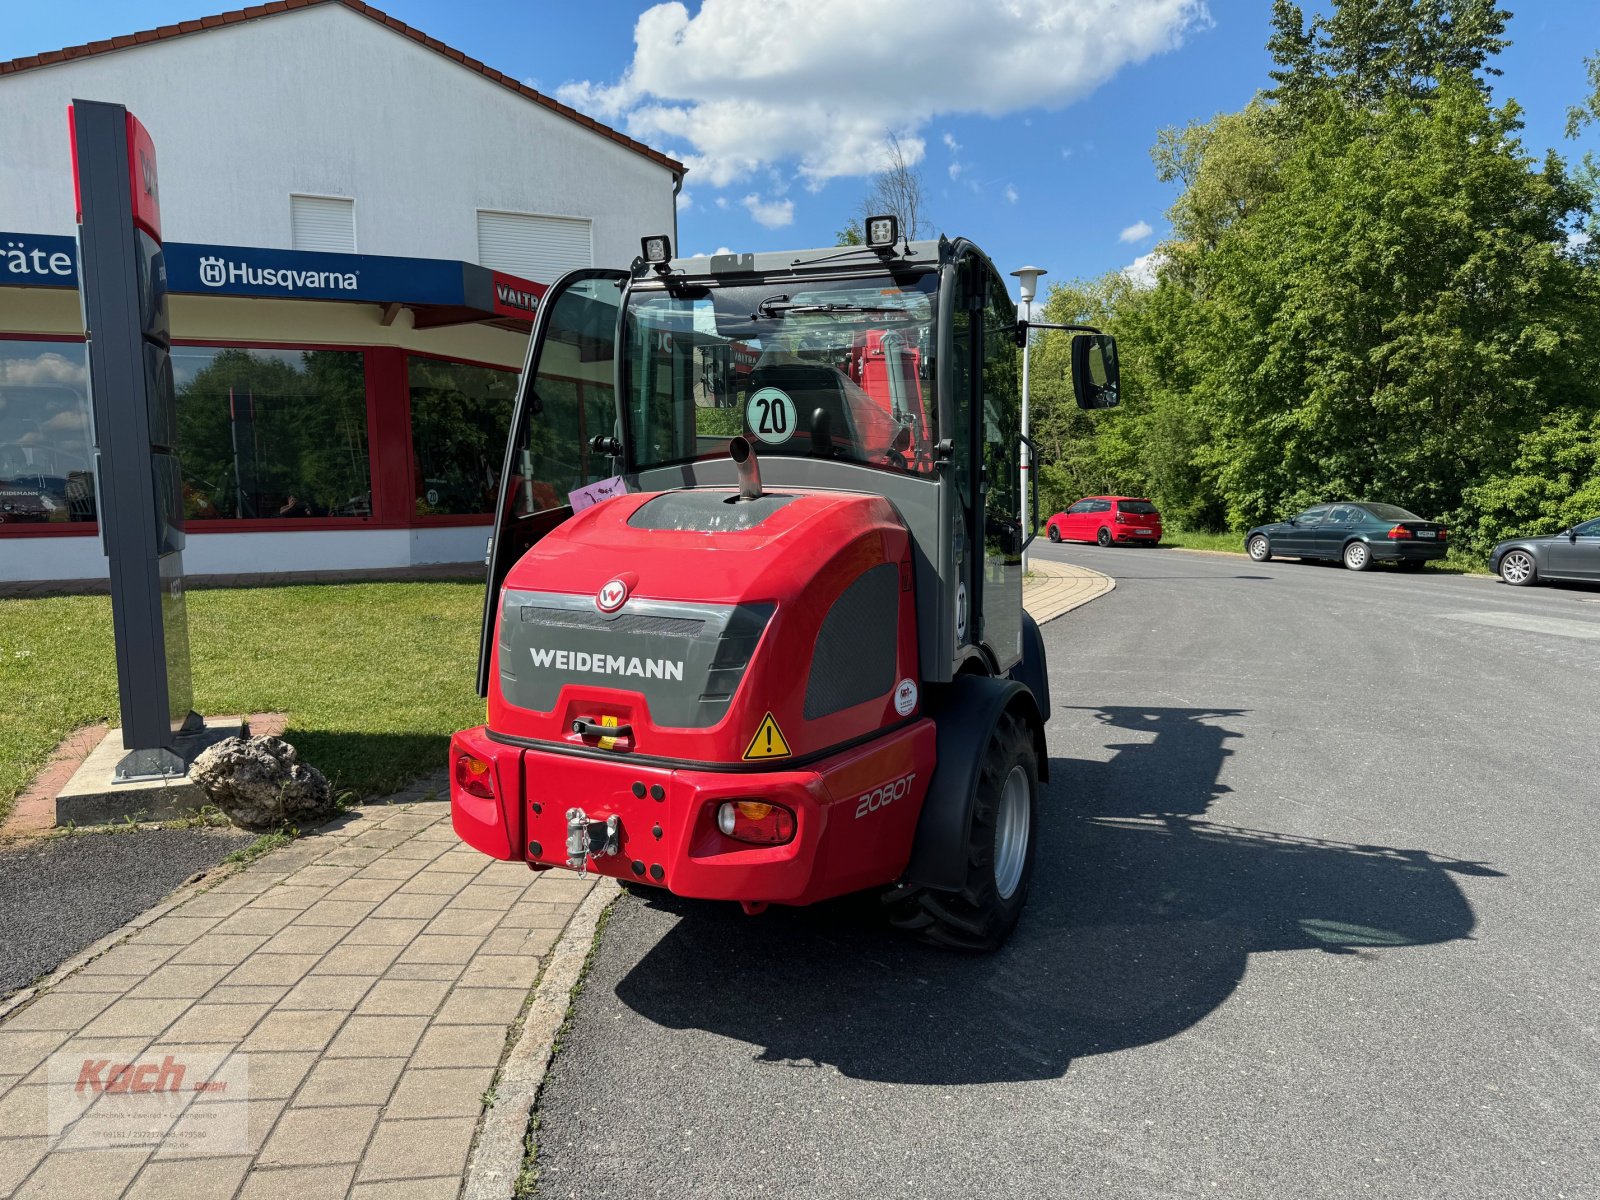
459,418
46,451
271,434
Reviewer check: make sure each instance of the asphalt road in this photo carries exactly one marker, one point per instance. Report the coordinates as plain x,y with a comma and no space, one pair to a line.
1315,916
62,894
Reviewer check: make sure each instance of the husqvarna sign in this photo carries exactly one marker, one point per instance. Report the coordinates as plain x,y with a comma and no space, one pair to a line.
216,272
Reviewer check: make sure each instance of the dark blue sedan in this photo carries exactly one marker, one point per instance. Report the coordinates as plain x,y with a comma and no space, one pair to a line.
1357,534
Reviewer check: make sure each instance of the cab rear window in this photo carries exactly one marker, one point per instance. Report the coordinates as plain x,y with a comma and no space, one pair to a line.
1141,508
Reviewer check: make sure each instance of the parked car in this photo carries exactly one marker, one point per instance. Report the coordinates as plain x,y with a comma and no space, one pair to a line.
1571,554
1357,534
1109,520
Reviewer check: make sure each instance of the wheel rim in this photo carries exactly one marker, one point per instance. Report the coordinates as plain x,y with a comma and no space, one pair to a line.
1517,567
1104,537
1011,831
1258,548
1356,555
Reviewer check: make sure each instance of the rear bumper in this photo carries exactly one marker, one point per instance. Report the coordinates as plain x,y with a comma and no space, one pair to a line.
855,816
1123,533
1408,551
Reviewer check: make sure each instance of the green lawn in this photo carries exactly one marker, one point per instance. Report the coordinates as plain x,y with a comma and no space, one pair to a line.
374,676
1231,542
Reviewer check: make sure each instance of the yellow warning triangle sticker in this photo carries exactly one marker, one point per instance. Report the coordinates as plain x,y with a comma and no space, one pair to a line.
768,741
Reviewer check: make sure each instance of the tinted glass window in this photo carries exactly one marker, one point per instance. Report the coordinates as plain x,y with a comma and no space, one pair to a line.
46,457
1588,529
1082,506
1389,512
1312,516
459,418
1100,506
1343,514
268,434
838,368
1142,508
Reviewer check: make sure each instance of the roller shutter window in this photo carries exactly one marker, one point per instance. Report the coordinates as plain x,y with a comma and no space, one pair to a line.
538,248
325,223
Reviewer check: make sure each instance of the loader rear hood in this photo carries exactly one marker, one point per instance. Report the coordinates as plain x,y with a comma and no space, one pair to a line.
653,609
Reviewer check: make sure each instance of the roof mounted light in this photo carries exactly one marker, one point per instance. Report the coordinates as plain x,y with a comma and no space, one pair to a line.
883,232
657,250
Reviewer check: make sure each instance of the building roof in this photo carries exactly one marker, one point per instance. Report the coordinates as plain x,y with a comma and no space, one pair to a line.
255,12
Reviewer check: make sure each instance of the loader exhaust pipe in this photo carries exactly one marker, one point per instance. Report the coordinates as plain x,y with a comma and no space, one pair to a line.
744,458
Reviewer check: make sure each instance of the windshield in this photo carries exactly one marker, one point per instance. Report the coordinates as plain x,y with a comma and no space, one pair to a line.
836,369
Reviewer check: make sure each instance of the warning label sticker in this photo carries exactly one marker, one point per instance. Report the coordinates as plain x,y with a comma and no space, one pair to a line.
768,741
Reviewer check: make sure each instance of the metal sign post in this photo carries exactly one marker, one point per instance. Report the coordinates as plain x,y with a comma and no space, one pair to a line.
123,286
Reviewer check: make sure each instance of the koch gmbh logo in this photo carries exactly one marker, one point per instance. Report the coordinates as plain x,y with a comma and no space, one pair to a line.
213,272
612,596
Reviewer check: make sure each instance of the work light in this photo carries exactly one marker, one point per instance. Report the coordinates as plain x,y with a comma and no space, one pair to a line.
657,248
883,232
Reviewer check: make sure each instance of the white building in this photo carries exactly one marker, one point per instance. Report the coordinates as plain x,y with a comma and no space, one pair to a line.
358,222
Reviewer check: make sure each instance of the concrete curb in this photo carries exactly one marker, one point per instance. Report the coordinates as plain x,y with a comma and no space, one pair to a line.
496,1160
1057,588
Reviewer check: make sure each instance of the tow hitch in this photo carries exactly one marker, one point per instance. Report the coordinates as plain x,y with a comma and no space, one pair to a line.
586,838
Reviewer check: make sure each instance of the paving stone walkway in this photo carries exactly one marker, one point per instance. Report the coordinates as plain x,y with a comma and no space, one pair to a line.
1053,588
370,972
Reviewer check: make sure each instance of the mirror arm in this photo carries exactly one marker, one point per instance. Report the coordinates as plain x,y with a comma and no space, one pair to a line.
1024,326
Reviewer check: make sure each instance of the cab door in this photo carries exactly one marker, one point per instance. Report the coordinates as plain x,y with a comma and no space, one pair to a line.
565,398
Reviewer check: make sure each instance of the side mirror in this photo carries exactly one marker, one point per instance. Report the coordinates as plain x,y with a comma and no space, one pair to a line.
1095,379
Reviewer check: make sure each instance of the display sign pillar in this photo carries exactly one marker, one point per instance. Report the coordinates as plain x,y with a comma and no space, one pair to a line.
123,286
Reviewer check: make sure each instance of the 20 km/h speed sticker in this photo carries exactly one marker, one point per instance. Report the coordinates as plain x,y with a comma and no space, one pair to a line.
769,414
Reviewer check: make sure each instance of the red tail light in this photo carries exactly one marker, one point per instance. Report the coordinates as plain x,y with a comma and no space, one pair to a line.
1121,520
756,821
1441,533
473,777
1398,533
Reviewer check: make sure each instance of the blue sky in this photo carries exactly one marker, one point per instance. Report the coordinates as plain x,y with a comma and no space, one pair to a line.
1037,149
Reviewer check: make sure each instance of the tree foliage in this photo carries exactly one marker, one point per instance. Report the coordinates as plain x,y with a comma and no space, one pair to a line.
1369,292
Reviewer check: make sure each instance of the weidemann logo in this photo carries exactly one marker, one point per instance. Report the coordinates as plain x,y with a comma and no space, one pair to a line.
219,272
608,664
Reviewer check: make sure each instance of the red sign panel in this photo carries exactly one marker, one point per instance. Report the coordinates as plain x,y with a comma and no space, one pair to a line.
514,297
141,175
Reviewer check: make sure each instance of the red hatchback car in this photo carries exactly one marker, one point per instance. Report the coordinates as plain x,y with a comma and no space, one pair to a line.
1108,520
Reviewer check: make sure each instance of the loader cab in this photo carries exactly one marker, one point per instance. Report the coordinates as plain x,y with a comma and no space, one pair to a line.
893,371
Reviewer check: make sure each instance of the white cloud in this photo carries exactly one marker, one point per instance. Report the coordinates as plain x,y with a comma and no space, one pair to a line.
951,144
745,85
685,201
1137,232
955,169
1010,194
774,214
722,202
44,370
1142,271
718,250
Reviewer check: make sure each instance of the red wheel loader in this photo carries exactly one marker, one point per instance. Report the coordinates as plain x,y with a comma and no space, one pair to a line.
786,658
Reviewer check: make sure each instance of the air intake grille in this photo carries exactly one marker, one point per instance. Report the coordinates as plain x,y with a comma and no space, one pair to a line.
559,618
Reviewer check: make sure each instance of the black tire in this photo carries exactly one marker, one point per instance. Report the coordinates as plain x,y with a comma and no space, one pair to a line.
1259,548
1104,536
1357,556
1055,533
978,917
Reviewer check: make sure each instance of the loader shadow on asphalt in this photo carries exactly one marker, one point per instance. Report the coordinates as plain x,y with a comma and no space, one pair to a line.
1141,920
